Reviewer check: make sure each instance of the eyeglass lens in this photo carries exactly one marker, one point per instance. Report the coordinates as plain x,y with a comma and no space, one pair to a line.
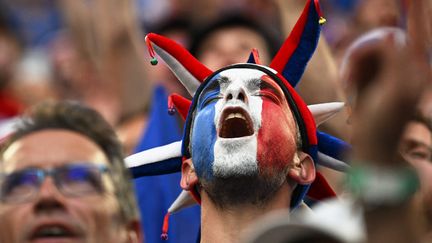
71,180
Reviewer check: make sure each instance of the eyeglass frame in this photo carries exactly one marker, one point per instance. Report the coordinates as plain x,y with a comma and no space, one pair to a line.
42,174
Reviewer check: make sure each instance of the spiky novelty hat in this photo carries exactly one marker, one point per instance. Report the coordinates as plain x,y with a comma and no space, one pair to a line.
285,69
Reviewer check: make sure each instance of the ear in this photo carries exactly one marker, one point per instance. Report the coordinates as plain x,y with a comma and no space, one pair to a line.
189,178
303,169
134,232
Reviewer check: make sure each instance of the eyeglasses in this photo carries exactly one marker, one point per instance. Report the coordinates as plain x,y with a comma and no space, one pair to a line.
72,180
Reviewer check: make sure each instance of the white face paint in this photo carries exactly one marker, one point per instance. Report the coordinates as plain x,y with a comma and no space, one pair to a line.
238,156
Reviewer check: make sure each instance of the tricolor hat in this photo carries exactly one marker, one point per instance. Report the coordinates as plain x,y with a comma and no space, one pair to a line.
285,69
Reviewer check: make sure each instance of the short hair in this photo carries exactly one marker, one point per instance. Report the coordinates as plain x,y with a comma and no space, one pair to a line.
78,118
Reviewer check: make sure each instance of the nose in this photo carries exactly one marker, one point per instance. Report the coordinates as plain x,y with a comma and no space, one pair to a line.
236,94
48,187
49,197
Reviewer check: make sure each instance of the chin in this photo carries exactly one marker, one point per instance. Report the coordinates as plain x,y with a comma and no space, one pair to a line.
235,156
239,190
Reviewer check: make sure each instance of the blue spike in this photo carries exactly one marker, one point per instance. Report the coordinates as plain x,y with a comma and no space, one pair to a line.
332,146
251,58
296,65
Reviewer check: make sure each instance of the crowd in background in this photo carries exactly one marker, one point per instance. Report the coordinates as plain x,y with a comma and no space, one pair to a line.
94,52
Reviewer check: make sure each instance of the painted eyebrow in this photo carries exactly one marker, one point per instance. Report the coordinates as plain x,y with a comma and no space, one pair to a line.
216,83
213,86
253,83
272,86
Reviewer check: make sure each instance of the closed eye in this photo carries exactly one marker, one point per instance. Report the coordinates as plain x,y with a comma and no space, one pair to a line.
269,95
269,89
209,97
210,100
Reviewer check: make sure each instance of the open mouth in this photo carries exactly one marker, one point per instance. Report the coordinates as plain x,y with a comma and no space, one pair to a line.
235,122
52,233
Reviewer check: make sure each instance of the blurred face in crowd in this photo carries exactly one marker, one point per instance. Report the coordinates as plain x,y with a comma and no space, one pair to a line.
377,13
416,148
56,187
231,45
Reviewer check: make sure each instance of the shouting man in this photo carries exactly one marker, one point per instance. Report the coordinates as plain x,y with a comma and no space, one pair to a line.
250,142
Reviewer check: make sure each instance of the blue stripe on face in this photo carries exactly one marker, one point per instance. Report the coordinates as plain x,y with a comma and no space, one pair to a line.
204,130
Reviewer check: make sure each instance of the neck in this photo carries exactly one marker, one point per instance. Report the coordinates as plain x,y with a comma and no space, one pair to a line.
227,225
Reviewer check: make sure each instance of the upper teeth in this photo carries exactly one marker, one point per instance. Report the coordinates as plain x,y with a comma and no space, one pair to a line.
235,115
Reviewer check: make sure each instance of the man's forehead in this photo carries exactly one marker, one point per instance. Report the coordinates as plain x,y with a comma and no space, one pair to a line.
247,76
241,74
51,147
418,131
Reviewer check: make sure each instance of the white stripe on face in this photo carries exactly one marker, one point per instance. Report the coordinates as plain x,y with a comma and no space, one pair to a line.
238,156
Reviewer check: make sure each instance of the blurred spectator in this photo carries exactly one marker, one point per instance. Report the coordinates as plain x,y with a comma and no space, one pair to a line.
10,53
363,62
89,196
368,15
32,80
36,21
383,181
416,148
230,39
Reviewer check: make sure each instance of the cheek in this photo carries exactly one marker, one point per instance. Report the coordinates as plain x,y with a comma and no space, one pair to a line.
99,216
424,168
276,137
203,140
13,220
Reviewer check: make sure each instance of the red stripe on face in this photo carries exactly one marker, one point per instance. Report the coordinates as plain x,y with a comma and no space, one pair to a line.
277,134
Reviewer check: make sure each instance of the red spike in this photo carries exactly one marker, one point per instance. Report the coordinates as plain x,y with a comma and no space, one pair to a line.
320,189
171,108
151,51
255,54
285,52
189,62
164,235
181,104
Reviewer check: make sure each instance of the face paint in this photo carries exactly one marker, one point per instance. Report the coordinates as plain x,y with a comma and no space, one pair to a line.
242,126
277,141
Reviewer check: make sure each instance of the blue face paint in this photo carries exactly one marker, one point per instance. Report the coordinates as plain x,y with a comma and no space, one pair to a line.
204,130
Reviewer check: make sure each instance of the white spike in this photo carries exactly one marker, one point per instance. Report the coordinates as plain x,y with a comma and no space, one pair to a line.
154,155
322,112
183,75
183,200
332,163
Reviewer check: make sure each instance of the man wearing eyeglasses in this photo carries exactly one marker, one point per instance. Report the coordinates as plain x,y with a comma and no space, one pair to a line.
62,179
